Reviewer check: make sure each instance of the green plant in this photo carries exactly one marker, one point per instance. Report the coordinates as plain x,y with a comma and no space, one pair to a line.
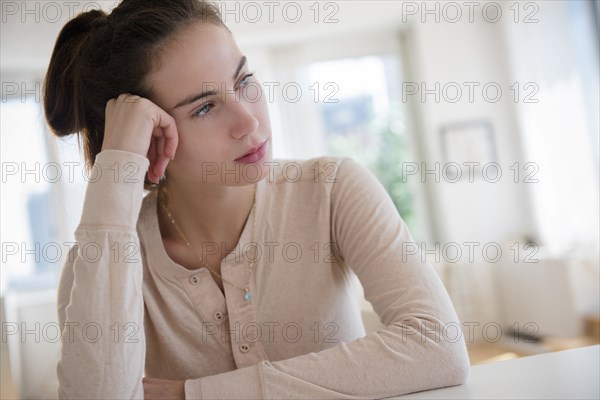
387,166
383,156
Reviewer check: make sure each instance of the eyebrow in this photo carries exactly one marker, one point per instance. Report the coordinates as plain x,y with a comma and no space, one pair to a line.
195,97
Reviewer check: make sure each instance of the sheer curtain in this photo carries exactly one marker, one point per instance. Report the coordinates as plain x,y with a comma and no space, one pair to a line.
560,130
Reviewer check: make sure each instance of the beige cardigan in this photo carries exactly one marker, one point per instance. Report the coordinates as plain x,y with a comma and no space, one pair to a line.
128,310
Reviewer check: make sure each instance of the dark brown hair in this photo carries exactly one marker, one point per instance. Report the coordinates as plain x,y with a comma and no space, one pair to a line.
98,56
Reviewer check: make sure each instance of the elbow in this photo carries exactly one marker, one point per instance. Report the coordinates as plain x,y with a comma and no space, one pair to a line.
444,359
458,363
463,369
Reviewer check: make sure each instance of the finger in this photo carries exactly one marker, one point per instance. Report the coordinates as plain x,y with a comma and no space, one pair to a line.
155,155
129,98
161,159
169,128
122,97
152,158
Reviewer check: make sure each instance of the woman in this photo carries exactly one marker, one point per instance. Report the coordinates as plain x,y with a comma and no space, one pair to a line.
232,277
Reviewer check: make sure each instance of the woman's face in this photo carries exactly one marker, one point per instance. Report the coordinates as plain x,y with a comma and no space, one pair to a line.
221,113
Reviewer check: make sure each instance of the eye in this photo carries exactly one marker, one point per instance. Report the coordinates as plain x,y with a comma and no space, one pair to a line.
203,111
245,80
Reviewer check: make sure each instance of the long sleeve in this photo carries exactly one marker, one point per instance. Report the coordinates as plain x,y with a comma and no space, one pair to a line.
100,303
420,347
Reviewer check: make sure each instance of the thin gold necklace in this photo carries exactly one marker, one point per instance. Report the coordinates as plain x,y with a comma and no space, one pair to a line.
246,289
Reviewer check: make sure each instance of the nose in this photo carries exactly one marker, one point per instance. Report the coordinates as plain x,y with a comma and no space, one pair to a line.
243,121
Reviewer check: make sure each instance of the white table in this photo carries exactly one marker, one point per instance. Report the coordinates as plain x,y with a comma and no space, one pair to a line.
567,374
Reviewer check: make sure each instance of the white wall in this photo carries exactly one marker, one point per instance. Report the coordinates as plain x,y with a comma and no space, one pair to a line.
468,52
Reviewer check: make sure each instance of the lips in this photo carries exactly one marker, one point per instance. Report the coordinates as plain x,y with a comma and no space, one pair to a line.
252,150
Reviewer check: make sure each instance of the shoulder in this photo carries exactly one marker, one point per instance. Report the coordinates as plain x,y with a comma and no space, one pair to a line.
319,179
320,170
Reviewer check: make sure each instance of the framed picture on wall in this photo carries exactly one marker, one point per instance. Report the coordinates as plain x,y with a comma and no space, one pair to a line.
469,144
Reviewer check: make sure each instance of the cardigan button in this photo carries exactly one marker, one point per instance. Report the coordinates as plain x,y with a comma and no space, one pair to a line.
194,280
244,348
218,315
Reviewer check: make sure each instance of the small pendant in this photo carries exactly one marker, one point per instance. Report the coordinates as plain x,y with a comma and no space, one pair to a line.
247,294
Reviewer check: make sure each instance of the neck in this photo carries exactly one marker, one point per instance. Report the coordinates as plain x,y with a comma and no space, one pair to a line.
206,212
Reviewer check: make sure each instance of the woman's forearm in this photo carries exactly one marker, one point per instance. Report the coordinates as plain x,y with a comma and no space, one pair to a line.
100,301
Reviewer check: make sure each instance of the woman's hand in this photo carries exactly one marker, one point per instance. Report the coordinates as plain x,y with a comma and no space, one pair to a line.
162,389
135,124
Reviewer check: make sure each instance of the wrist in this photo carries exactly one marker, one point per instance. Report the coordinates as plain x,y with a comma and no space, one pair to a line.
115,189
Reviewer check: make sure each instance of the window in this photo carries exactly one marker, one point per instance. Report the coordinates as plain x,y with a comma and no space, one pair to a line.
362,118
351,106
42,191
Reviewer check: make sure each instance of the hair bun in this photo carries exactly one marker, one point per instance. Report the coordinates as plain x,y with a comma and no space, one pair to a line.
82,23
98,19
63,95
